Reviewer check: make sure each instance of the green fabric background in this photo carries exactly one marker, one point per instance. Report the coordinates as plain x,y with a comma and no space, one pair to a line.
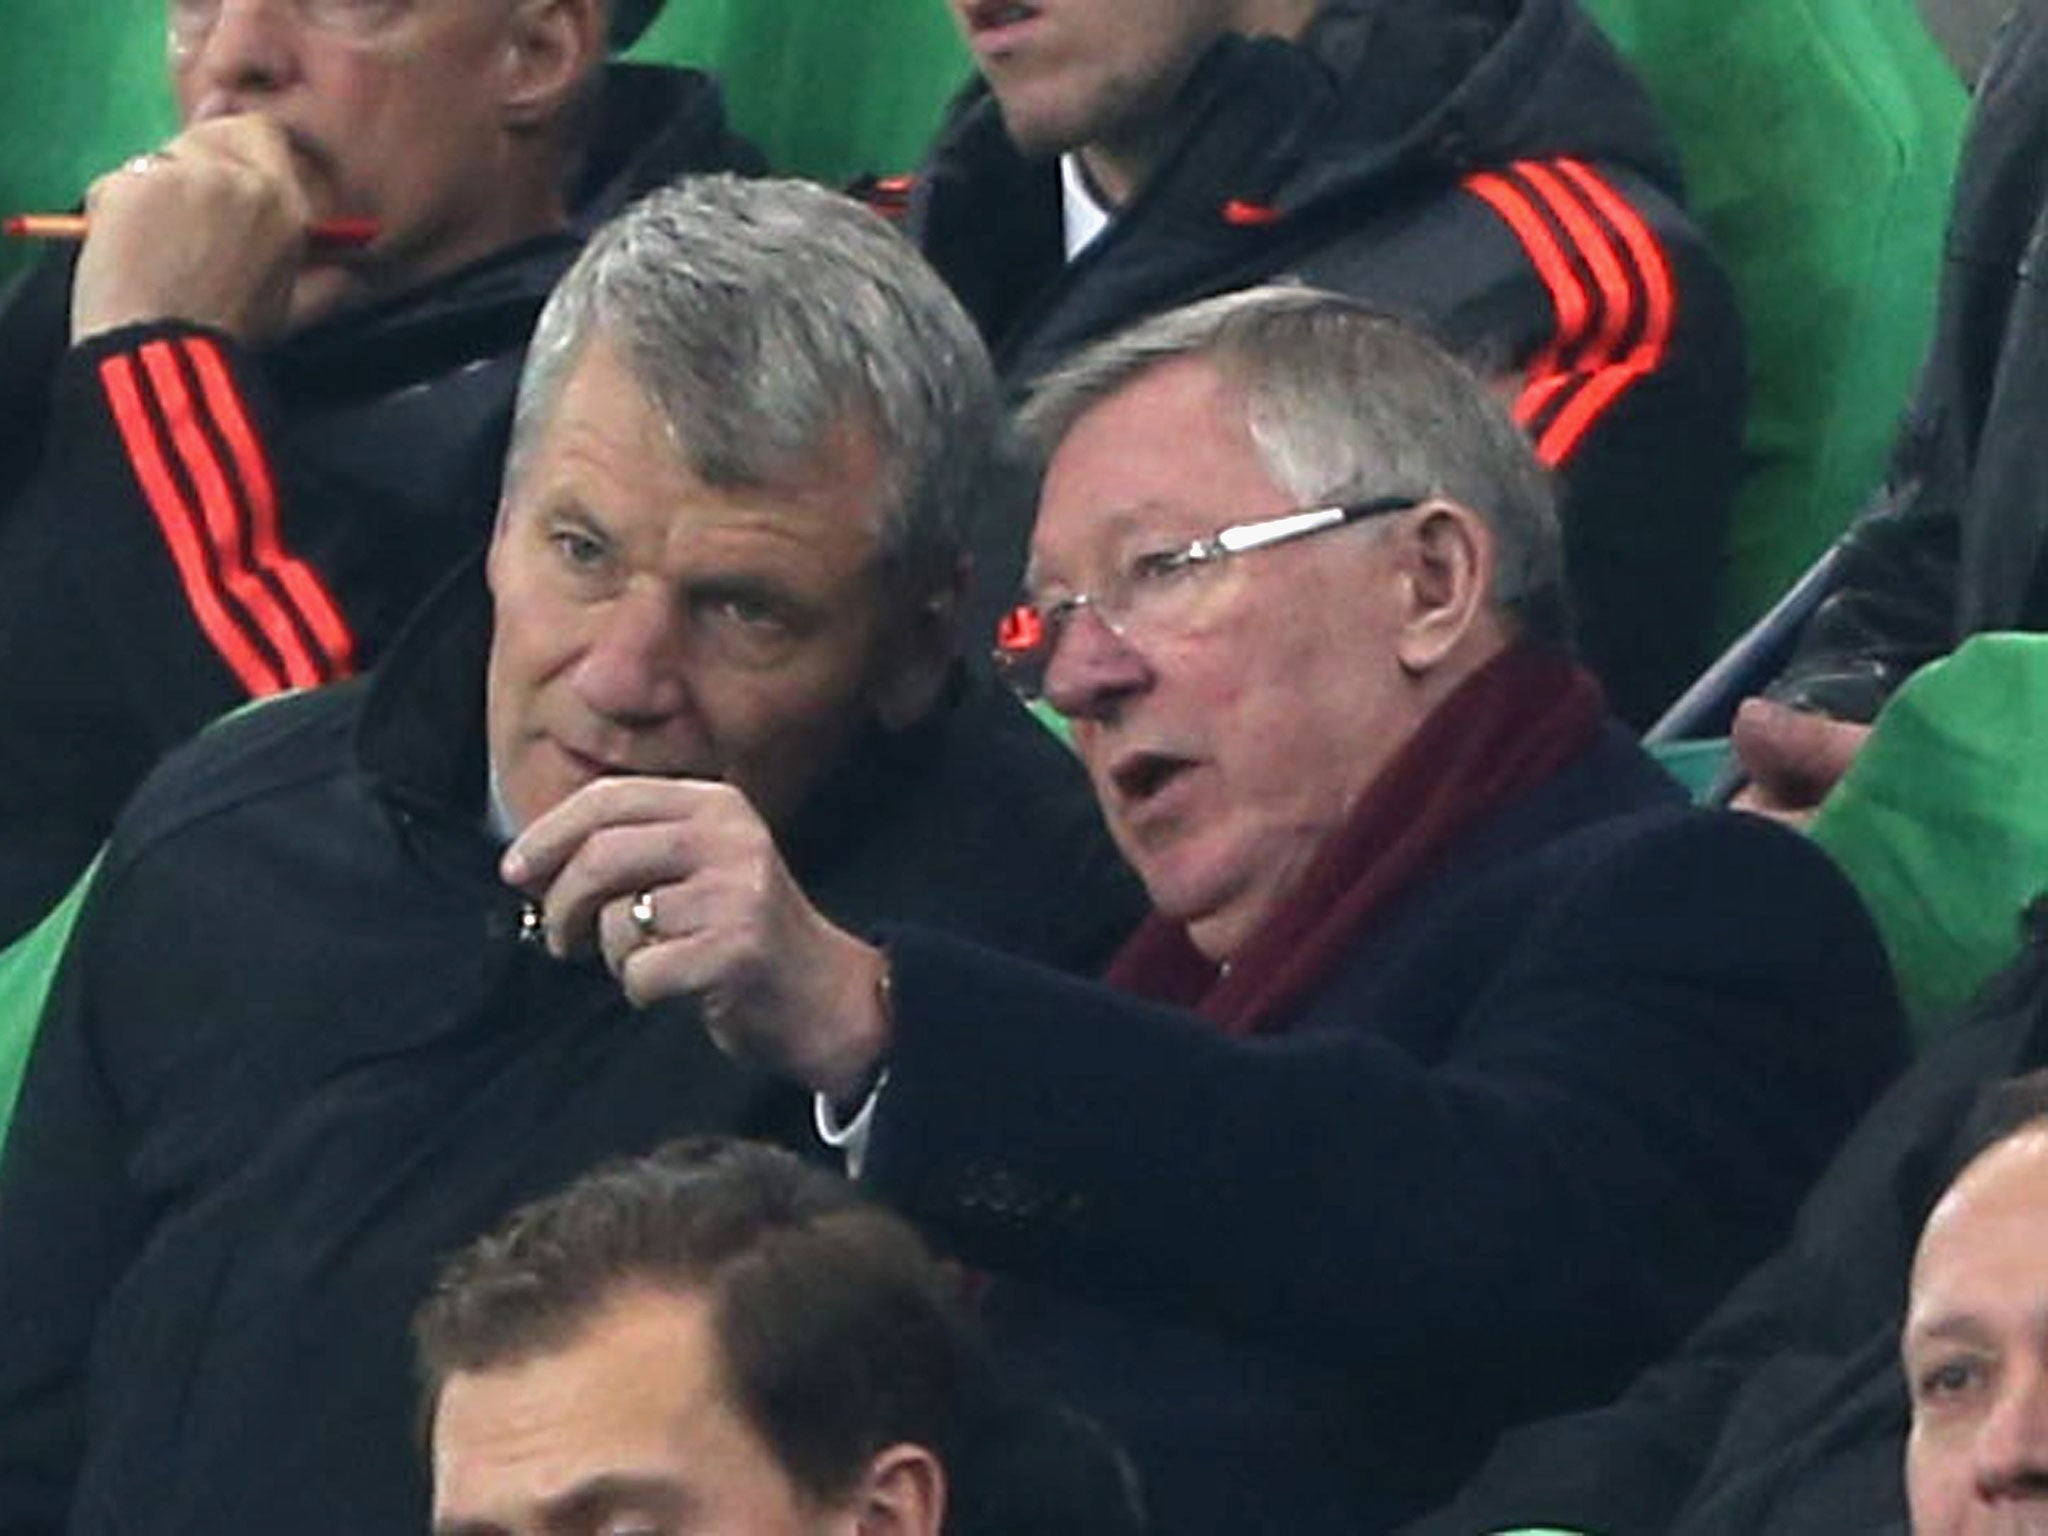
1820,137
1942,822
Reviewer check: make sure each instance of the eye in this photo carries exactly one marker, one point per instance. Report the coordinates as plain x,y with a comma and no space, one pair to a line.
745,626
358,18
191,18
1157,566
738,610
578,548
1949,1378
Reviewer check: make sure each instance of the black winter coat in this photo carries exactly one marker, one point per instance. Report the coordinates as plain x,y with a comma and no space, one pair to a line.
297,1054
1556,1100
1786,1413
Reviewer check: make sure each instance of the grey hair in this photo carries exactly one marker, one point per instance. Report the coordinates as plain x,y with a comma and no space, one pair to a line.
763,317
1343,402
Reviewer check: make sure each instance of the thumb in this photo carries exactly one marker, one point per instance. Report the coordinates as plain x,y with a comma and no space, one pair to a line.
1795,755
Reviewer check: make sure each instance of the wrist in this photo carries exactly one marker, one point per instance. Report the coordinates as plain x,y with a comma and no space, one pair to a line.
863,1028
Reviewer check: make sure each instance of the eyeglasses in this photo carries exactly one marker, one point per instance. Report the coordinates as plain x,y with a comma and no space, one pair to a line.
1159,592
193,20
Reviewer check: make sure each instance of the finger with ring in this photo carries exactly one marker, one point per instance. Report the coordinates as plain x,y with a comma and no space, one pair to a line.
642,913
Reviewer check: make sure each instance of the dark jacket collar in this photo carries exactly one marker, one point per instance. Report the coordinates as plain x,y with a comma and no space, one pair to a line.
1374,91
420,740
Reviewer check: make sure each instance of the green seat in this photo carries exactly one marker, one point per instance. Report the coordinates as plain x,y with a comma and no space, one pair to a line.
82,87
1820,137
1697,765
1940,822
828,91
27,967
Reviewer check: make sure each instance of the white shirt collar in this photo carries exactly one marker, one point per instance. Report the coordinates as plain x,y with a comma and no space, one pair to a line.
1083,214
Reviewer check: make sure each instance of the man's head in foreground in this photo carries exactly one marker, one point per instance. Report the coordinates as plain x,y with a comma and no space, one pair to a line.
1975,1345
452,123
1101,79
716,1338
1275,532
728,544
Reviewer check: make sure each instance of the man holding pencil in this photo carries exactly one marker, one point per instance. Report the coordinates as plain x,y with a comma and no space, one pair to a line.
264,408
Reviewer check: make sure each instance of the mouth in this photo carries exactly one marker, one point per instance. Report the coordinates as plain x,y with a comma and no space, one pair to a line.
986,17
1140,776
592,766
588,765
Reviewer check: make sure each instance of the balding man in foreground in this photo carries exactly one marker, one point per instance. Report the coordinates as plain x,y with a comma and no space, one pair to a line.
1975,1344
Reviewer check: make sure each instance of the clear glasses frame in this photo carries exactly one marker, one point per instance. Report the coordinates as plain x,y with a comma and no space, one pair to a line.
1152,592
192,20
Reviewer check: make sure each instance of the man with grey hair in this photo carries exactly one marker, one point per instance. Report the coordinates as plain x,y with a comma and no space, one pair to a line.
1461,1063
304,1041
234,454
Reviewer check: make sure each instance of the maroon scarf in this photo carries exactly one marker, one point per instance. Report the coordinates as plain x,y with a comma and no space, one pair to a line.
1501,732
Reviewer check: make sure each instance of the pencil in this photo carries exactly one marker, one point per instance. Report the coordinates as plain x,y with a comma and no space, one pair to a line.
325,235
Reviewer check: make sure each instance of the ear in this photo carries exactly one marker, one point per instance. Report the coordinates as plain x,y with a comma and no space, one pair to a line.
551,47
1446,571
494,552
903,1494
917,655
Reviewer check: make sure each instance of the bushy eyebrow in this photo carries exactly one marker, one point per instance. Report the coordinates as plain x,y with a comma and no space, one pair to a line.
1945,1327
586,1505
1122,523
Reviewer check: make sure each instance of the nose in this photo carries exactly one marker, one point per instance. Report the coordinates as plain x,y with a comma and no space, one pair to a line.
634,668
2012,1443
232,51
1093,670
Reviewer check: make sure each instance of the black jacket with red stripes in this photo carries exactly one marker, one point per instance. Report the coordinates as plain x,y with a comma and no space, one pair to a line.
1486,168
186,523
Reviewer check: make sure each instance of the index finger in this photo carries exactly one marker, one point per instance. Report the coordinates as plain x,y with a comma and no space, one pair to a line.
537,854
246,138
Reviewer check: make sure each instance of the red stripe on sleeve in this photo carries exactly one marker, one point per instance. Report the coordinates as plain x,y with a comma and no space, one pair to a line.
316,606
224,516
1647,255
1568,298
175,519
1574,398
1619,304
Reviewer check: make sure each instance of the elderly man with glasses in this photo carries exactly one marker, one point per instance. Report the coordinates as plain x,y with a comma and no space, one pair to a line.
1461,1063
